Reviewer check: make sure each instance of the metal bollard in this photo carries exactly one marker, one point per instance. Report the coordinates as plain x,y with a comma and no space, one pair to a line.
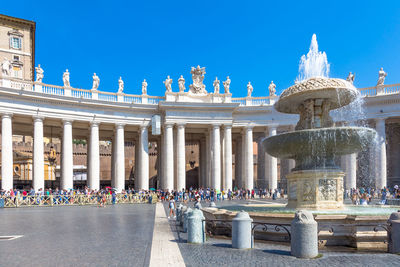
185,219
212,204
394,233
196,227
304,235
241,230
178,211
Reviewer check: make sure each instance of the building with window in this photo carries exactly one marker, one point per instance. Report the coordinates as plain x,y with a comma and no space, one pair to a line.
17,45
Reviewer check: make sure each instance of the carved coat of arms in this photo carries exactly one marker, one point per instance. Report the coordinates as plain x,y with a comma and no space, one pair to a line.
198,76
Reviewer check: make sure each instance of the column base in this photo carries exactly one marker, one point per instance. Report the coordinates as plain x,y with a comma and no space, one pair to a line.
315,189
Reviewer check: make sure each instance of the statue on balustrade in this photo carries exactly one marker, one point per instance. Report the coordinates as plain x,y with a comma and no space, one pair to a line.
227,84
351,77
198,76
96,82
272,89
181,84
382,76
39,74
144,87
168,84
6,67
120,85
216,86
66,79
249,89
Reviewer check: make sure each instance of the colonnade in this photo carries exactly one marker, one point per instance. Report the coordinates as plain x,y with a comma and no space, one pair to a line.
215,157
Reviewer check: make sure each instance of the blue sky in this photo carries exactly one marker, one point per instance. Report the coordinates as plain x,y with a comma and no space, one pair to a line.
255,41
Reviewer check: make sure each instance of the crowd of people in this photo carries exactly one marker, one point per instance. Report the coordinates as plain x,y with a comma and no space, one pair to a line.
364,196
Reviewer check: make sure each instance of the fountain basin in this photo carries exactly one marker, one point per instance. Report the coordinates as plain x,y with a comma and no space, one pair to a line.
316,148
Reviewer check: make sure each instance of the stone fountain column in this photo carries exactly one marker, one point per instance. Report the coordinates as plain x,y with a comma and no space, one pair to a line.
380,169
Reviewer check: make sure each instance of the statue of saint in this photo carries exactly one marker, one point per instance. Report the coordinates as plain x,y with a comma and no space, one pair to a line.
216,86
197,76
96,82
120,85
249,89
351,77
6,67
39,74
66,79
227,84
271,89
382,76
144,87
168,83
181,84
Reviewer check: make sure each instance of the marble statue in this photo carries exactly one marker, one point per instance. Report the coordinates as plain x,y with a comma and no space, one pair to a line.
198,76
272,89
382,76
39,74
144,87
120,85
351,77
216,86
66,78
96,82
6,67
249,89
227,84
181,84
168,83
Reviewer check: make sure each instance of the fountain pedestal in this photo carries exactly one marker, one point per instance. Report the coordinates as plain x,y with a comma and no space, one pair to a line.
315,189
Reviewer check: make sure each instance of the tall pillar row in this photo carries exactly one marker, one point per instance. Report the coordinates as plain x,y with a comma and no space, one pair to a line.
227,157
119,182
180,157
271,164
143,177
380,152
67,164
38,154
168,159
249,167
216,158
94,157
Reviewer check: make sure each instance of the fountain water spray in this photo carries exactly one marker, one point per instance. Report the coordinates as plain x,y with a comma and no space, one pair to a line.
314,64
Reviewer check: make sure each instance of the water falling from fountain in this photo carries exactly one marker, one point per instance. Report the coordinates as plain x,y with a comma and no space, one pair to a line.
314,64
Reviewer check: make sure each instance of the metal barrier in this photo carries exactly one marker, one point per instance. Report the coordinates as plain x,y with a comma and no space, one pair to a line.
70,200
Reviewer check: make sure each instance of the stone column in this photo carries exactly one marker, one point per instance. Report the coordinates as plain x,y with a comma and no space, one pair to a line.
351,171
228,157
181,162
113,159
243,160
249,172
67,164
38,154
6,152
380,169
272,163
143,177
292,162
203,163
238,163
119,183
260,164
216,159
94,157
168,157
208,160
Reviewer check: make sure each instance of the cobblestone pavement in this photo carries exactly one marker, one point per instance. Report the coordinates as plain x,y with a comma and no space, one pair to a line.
218,252
118,235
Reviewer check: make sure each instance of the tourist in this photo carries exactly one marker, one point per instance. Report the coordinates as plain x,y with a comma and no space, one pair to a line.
171,206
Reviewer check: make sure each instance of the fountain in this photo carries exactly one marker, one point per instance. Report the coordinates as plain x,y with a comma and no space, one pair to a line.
316,182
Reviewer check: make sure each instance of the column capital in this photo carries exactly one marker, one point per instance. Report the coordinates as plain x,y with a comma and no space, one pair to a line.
67,121
249,127
6,115
120,125
227,126
168,124
215,126
37,118
94,123
143,127
181,124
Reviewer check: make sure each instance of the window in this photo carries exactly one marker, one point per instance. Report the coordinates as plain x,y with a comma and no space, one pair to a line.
15,42
17,72
15,58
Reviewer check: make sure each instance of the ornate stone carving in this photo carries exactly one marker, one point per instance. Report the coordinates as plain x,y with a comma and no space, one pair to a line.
351,77
39,74
6,67
249,89
120,85
227,84
272,89
327,189
66,78
382,77
181,84
168,84
308,191
144,87
216,86
96,82
198,76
